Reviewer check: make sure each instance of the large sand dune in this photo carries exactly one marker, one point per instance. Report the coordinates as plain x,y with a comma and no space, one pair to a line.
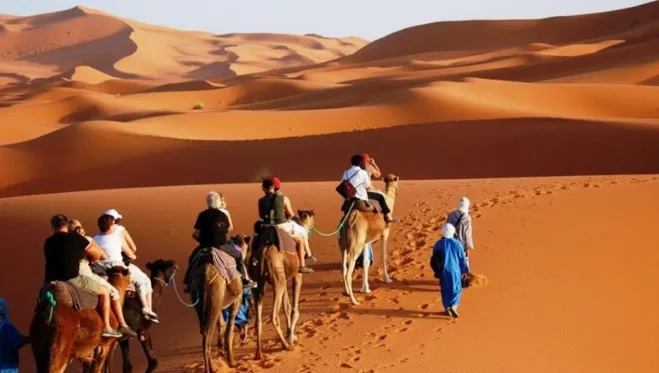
98,112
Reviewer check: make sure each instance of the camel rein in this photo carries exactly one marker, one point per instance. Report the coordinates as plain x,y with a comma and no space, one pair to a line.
171,279
338,229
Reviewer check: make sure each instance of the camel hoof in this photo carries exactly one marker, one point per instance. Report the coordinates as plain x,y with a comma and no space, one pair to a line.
387,280
354,302
258,356
292,339
366,291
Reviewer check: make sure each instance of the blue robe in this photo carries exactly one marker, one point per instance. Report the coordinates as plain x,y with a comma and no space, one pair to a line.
449,263
360,260
242,318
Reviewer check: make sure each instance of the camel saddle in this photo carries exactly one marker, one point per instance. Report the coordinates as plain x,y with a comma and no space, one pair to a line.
65,293
372,202
225,263
267,235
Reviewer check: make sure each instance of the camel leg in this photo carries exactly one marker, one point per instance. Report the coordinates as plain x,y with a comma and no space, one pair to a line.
297,288
258,301
287,310
60,350
207,346
147,346
367,265
351,270
279,290
385,275
222,327
344,271
228,335
125,356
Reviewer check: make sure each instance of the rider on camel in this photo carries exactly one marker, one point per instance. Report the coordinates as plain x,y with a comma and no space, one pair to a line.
275,209
210,230
361,180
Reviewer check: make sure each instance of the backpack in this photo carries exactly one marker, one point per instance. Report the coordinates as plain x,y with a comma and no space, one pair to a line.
346,189
457,223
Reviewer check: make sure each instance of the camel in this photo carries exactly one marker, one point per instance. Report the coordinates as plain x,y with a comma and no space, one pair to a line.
73,334
214,295
162,272
267,263
360,229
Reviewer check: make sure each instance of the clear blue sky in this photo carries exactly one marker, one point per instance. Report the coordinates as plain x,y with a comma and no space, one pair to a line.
369,19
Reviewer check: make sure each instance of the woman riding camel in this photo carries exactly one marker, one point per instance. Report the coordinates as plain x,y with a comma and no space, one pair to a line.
112,242
86,270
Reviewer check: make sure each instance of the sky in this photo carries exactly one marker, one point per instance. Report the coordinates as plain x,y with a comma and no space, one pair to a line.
369,19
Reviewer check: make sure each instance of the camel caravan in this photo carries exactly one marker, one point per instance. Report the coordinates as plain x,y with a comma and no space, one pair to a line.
94,297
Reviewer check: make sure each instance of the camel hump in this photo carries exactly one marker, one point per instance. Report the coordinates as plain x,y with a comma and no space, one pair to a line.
64,293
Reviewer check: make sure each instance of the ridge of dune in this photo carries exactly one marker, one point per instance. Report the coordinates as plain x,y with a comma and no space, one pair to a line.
499,34
83,38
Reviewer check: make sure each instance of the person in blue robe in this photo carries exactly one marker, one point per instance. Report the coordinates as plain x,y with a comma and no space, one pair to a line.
450,265
11,340
368,250
242,318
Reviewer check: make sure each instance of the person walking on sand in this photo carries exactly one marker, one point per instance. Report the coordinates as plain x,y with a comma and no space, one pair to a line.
461,220
11,340
449,264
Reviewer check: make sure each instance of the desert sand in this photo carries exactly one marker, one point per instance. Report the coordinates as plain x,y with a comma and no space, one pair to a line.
550,127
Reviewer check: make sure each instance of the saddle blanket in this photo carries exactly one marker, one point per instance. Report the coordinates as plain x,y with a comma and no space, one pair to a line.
225,263
65,293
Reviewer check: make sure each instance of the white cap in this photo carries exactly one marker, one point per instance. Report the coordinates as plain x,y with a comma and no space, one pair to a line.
114,213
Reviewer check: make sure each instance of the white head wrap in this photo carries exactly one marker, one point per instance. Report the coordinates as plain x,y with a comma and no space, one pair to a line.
448,230
463,204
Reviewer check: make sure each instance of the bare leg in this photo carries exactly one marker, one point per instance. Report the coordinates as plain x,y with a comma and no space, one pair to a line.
105,308
119,313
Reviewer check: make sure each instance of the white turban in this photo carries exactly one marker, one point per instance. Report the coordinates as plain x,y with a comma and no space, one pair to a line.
463,204
448,230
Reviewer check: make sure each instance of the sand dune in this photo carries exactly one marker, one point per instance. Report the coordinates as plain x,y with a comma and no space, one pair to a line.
62,41
98,111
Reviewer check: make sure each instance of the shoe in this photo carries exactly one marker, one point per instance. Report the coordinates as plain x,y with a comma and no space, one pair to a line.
249,284
310,258
390,220
111,333
126,331
306,270
150,315
453,312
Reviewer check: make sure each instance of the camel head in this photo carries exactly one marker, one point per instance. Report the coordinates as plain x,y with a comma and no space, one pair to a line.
306,217
242,241
119,277
162,270
391,185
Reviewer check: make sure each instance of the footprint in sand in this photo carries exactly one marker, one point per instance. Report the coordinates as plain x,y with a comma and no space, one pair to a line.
424,306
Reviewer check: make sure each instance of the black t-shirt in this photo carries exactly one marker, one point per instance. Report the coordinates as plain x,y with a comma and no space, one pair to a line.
63,252
212,225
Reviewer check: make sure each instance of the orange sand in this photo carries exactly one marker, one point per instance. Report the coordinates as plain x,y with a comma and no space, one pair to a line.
106,114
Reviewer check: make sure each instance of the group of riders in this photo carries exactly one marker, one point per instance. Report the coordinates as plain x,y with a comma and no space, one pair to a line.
82,261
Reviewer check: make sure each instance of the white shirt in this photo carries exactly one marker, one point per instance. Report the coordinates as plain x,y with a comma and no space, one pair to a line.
359,179
111,245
